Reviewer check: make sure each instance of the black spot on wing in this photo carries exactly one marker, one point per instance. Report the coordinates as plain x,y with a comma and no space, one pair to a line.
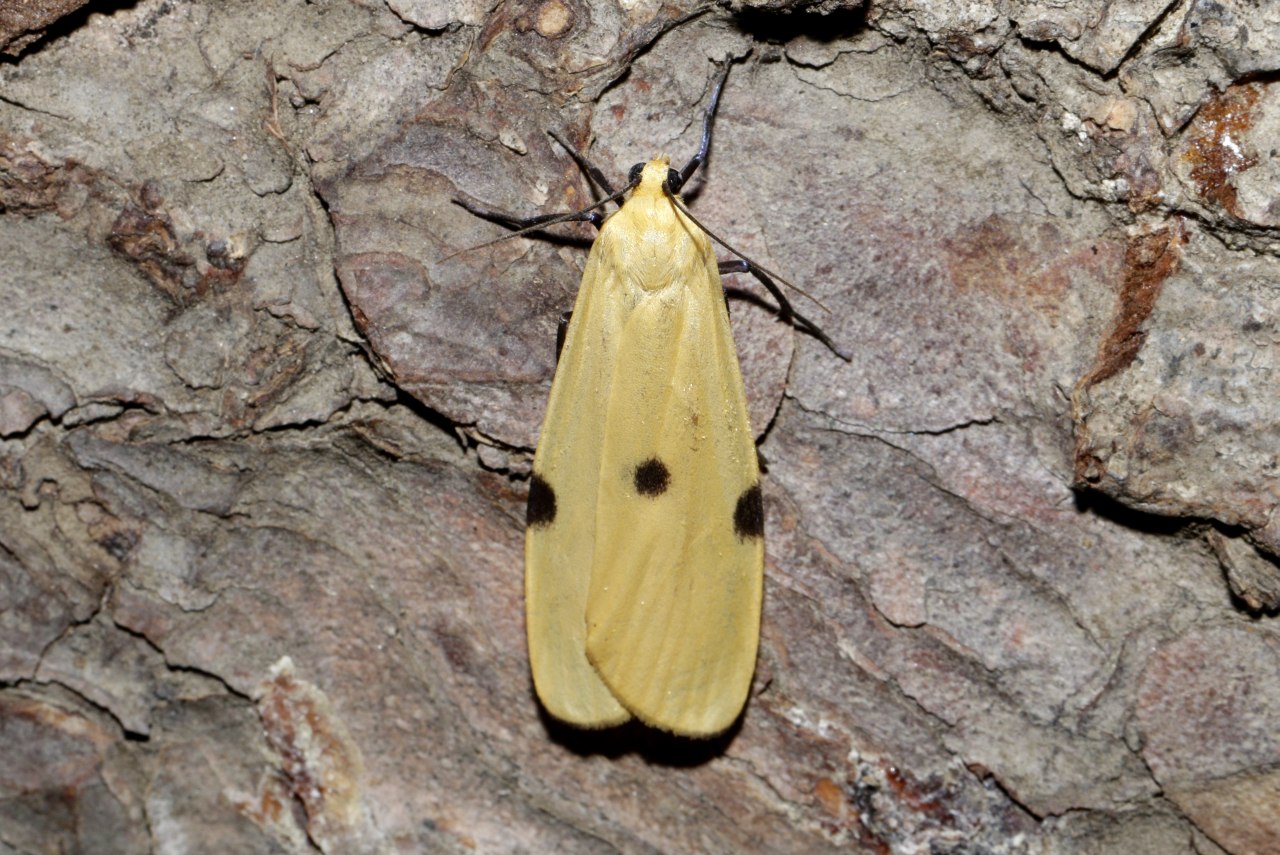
542,503
652,477
748,516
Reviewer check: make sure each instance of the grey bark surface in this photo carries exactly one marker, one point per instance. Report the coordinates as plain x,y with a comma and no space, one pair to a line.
265,428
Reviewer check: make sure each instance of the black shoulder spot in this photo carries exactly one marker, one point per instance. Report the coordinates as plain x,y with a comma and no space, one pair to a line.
652,478
748,516
542,503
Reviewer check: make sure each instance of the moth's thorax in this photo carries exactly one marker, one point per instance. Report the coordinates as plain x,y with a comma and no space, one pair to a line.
651,240
653,177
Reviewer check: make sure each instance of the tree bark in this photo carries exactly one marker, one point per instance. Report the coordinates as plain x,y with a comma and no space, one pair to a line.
267,411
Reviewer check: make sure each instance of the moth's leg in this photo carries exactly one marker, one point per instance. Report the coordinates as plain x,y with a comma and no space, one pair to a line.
701,155
519,223
591,215
593,172
786,311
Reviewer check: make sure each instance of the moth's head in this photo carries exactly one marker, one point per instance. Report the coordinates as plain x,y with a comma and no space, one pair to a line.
655,178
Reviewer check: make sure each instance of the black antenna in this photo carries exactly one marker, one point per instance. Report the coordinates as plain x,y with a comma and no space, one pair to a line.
766,276
701,155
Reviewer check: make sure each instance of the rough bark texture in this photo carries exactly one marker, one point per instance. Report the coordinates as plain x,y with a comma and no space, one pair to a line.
265,436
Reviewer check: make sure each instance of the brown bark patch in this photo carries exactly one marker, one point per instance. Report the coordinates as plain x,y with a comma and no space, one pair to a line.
1213,151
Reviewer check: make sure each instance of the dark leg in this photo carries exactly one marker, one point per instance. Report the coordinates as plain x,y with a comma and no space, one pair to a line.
696,161
513,221
786,311
526,224
593,171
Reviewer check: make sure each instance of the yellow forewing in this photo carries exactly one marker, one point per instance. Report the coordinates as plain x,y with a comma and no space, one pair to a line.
644,554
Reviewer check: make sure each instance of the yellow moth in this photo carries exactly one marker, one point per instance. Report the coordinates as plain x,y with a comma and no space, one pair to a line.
644,553
644,549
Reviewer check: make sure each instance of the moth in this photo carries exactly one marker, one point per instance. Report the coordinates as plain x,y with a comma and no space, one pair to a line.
644,546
